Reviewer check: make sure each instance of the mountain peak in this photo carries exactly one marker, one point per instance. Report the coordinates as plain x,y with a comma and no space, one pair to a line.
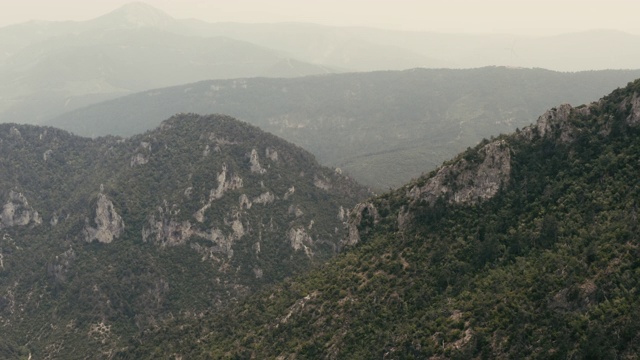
136,15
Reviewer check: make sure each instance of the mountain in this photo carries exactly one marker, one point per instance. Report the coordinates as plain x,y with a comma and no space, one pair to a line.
369,49
525,246
103,238
48,68
134,15
355,49
383,128
51,68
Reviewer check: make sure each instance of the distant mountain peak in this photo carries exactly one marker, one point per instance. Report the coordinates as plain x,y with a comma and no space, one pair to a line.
136,15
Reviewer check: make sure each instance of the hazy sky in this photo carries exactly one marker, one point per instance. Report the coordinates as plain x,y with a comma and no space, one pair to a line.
515,16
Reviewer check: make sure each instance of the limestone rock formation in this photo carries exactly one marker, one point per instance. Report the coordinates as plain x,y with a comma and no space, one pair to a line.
363,213
109,224
17,212
468,182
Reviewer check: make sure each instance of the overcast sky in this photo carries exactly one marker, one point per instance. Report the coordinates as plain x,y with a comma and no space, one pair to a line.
469,16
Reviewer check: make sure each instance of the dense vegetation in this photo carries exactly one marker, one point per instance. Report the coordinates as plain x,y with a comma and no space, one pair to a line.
546,268
383,128
210,207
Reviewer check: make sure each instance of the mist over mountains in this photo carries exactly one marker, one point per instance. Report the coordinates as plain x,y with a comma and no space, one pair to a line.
383,128
157,200
48,68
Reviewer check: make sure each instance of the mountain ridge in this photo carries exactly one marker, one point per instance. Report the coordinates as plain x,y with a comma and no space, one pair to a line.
391,126
522,247
104,237
136,14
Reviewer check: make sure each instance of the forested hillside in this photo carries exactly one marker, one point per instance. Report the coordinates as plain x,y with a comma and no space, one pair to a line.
103,238
525,246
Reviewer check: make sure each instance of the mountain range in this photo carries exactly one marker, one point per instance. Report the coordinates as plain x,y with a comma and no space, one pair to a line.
148,222
48,68
525,246
383,128
207,238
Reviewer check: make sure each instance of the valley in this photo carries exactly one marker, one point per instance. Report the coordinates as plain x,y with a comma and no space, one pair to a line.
232,180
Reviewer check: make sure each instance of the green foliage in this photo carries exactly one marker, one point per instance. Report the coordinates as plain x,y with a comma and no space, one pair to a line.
547,268
62,297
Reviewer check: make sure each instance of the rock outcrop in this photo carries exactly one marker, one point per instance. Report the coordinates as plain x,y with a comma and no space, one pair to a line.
165,230
556,121
300,240
290,192
225,183
109,224
468,182
264,198
321,183
255,163
634,117
362,218
142,157
17,212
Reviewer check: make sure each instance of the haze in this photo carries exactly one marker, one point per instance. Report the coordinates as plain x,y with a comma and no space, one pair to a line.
463,16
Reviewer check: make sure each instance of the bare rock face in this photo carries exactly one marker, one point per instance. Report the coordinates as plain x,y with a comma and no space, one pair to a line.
109,225
245,203
300,240
341,214
139,159
206,151
17,212
165,230
553,117
556,119
264,198
142,157
464,182
47,155
290,192
363,212
226,182
634,118
255,163
321,183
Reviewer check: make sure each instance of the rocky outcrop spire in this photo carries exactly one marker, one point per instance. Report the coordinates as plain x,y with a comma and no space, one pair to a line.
109,224
17,212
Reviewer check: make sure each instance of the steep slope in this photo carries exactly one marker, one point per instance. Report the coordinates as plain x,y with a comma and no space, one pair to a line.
524,247
383,128
104,238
